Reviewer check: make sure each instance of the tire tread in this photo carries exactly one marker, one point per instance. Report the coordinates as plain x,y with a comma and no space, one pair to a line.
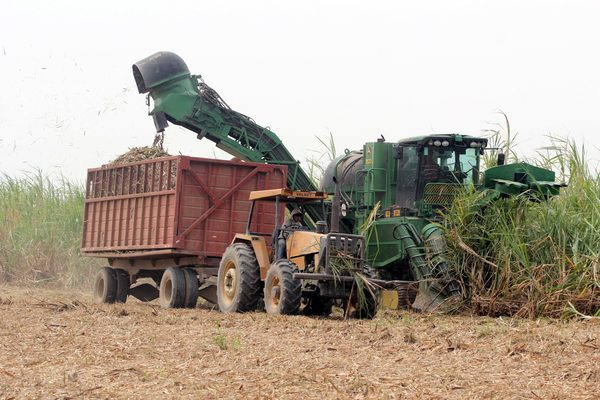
291,288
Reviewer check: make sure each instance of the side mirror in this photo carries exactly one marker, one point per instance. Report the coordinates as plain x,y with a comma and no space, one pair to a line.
399,152
501,158
321,227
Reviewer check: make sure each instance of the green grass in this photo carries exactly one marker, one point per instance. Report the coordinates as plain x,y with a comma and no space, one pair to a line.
41,232
318,160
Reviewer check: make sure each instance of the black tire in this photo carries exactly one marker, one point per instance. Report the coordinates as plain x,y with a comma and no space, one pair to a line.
318,306
191,288
282,292
105,286
172,288
367,309
238,281
122,285
260,305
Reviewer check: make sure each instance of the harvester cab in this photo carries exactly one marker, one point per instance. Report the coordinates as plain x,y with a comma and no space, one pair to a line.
295,267
431,170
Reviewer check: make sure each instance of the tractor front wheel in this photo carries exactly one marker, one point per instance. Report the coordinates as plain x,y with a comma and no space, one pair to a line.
318,306
282,291
365,307
363,302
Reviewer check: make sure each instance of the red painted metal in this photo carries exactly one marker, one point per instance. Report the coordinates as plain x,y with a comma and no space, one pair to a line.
174,206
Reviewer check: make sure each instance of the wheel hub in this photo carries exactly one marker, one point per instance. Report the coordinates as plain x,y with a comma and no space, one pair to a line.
230,282
275,292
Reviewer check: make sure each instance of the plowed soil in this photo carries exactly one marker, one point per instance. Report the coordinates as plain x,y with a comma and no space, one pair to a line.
60,345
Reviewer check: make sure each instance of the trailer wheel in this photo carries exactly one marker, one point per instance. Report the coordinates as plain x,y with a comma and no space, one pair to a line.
122,285
172,288
282,291
191,288
105,286
238,281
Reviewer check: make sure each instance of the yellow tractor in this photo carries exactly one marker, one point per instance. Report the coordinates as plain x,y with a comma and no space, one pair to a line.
295,268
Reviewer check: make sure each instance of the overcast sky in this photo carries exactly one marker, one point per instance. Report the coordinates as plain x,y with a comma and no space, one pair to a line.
356,69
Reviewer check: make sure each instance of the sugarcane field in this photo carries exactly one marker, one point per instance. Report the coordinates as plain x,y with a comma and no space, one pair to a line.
322,200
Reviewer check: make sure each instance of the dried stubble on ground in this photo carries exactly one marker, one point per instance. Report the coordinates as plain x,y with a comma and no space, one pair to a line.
60,345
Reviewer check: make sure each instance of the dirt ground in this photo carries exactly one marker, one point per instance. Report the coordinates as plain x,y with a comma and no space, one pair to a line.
60,345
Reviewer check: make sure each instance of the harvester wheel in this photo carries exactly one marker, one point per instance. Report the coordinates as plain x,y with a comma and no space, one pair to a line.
122,285
191,288
172,288
105,286
238,281
282,291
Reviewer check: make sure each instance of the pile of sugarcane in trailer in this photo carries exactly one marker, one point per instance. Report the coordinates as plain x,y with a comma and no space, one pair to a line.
373,229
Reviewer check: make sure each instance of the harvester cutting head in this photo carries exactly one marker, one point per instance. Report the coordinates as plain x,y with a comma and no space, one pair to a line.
522,179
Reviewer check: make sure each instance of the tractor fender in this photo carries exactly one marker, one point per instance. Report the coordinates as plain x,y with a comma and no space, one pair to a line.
259,245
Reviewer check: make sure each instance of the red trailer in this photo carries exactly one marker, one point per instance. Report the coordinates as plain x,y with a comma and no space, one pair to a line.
170,219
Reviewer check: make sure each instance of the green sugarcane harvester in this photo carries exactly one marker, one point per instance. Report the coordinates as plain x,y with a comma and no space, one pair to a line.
389,191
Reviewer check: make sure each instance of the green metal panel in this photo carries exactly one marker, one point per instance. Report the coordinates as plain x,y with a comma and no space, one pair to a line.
384,244
514,179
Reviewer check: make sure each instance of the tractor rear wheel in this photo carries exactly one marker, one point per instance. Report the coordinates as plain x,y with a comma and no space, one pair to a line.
238,281
191,288
105,286
282,292
172,288
122,285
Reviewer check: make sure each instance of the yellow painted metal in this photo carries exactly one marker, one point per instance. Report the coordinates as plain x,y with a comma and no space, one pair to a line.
259,245
303,243
285,194
300,262
388,299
